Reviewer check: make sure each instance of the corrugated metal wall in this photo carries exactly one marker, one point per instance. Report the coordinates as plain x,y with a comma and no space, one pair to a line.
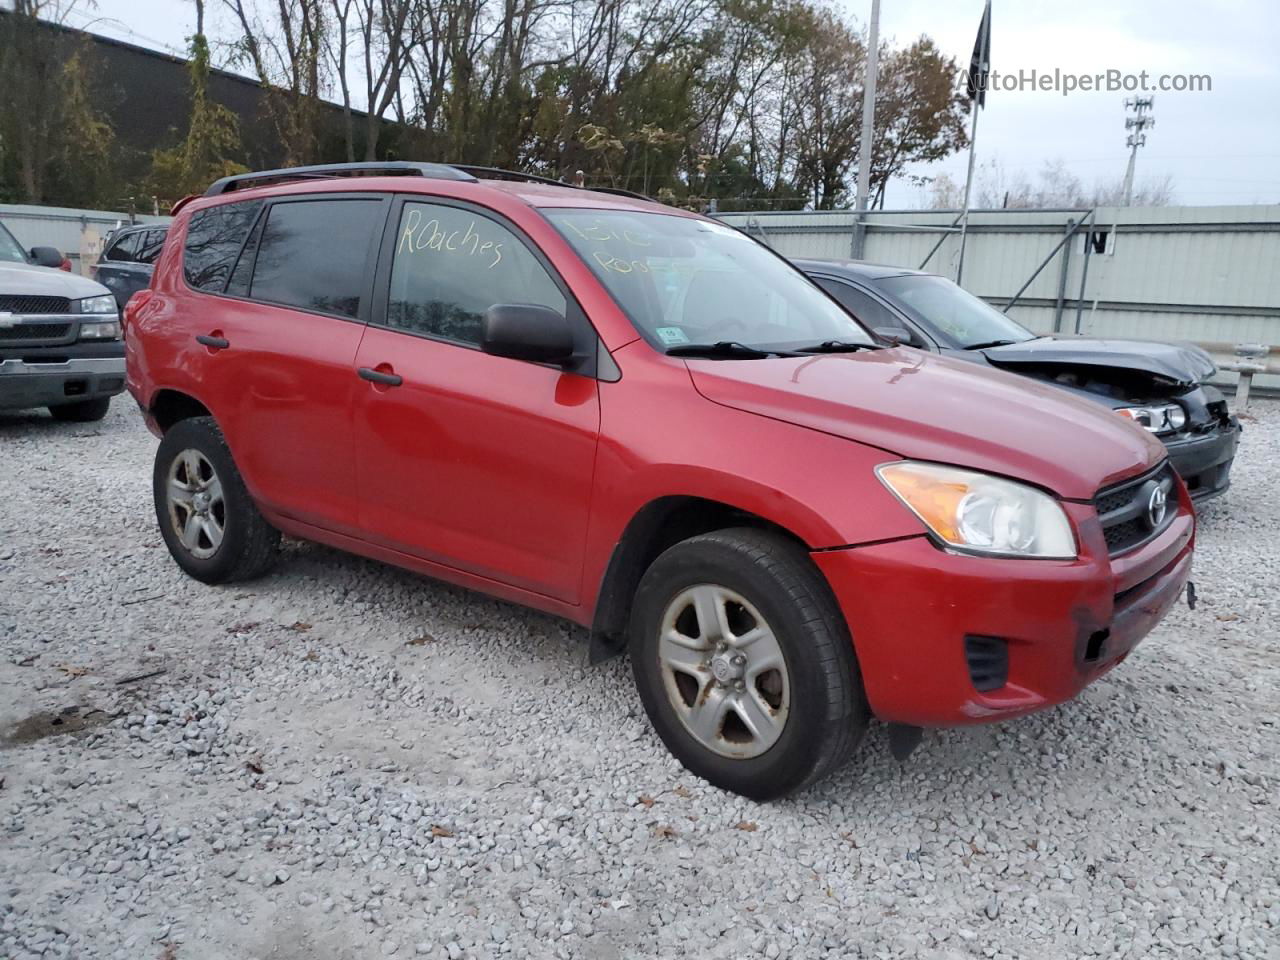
77,233
1155,273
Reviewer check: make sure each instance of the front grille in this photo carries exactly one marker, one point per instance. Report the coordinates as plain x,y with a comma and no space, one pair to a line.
1125,509
19,304
31,332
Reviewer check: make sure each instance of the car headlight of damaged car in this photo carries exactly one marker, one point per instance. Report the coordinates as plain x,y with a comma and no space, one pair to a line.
1160,418
973,512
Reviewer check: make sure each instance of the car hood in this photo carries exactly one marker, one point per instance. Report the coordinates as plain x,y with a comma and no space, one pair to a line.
28,280
927,407
1184,364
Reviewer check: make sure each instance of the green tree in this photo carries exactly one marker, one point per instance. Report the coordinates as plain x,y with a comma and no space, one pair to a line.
212,144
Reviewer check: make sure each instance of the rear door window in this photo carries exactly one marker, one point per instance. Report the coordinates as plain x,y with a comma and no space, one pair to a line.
124,250
314,254
450,265
152,244
214,237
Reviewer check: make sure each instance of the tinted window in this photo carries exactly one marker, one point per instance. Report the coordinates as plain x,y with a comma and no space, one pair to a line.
152,244
213,240
866,308
125,249
452,265
313,254
238,285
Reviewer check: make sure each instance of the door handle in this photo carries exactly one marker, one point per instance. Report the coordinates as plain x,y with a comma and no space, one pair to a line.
378,376
213,343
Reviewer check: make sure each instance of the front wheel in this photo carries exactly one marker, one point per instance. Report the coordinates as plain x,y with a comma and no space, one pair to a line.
209,522
744,664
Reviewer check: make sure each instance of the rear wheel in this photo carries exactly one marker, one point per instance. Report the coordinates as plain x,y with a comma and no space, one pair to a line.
85,411
210,524
744,663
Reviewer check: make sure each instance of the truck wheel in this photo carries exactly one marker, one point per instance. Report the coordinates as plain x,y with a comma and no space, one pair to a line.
86,411
212,527
744,663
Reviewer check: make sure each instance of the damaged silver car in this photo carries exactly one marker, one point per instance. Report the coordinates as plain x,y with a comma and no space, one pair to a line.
1161,386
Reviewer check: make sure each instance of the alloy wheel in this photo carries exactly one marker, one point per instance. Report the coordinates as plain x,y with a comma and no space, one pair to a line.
724,671
197,509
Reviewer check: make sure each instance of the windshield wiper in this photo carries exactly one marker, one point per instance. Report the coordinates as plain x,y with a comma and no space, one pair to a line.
989,343
723,349
838,346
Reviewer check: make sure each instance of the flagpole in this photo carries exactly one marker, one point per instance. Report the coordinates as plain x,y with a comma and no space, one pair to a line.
968,186
979,65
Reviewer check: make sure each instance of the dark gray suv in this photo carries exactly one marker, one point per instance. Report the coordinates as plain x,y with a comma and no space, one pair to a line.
1160,386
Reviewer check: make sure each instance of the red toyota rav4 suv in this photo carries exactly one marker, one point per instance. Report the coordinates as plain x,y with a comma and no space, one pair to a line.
644,421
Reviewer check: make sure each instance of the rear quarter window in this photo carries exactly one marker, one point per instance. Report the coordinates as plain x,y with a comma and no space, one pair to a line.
213,241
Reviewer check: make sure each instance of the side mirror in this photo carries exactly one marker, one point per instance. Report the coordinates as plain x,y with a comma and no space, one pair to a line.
523,331
46,257
896,336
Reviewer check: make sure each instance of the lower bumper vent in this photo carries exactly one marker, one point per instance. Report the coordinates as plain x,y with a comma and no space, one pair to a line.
988,659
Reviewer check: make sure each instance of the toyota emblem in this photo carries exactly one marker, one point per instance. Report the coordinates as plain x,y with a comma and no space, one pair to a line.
1157,505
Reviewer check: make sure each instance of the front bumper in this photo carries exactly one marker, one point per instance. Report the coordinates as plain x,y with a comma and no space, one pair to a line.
24,383
1062,624
1204,460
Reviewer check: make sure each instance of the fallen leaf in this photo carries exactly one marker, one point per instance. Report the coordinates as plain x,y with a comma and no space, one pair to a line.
439,831
420,640
242,627
300,626
254,765
1228,617
647,800
311,656
72,671
748,826
681,792
665,831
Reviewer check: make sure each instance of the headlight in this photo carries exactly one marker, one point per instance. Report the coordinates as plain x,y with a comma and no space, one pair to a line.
1160,418
978,513
104,304
100,330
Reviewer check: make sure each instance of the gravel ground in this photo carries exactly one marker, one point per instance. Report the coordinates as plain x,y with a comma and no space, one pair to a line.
344,760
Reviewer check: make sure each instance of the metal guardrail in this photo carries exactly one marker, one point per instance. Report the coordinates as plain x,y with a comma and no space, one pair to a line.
1249,360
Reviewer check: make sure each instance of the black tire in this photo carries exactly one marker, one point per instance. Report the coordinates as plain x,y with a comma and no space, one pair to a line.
86,411
827,713
249,544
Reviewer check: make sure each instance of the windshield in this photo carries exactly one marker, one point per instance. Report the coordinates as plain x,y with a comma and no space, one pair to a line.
956,313
10,252
685,281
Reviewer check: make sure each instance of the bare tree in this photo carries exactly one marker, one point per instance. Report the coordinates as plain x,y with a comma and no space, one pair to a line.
286,51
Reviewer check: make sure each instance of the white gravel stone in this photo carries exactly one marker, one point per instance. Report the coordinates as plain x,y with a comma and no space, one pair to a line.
480,794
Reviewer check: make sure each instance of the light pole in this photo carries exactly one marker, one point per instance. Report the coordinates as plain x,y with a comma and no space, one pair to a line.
868,131
1137,125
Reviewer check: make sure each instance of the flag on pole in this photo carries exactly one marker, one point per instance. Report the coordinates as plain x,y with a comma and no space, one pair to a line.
980,62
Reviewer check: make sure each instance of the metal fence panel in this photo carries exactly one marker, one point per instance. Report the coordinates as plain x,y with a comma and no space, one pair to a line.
77,233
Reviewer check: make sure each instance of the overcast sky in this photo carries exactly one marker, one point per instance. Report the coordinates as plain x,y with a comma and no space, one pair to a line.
1220,147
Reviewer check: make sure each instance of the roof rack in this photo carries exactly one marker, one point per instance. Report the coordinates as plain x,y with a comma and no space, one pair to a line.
497,173
390,168
395,168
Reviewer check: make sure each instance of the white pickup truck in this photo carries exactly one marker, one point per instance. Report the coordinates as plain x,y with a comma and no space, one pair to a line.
60,337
